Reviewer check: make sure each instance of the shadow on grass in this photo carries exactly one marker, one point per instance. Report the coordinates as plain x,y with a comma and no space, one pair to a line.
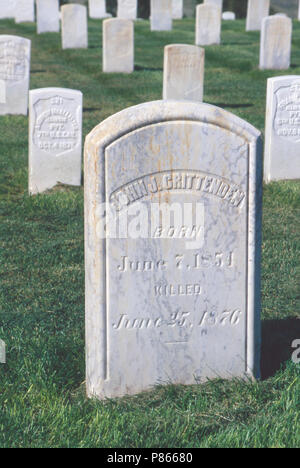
230,106
91,109
139,68
277,338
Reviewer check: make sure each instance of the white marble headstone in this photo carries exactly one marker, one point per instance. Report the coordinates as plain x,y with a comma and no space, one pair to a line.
47,16
299,11
25,11
282,140
208,24
257,10
74,27
275,43
183,72
15,72
97,9
228,16
218,3
127,9
118,46
2,92
161,15
177,9
171,298
55,138
7,9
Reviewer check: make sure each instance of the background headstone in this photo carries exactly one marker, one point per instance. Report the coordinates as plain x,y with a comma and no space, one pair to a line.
282,140
275,43
159,308
161,15
74,27
97,9
183,72
15,72
25,11
257,10
7,9
47,16
177,9
218,3
208,25
299,11
118,46
55,138
228,16
127,9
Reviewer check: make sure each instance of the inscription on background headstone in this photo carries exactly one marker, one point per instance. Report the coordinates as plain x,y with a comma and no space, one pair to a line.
7,9
47,16
183,72
97,9
208,25
282,141
24,11
118,46
257,10
15,72
55,140
161,15
177,9
172,259
74,27
275,43
127,9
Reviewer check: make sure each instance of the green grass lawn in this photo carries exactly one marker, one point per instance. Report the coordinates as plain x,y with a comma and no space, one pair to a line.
42,396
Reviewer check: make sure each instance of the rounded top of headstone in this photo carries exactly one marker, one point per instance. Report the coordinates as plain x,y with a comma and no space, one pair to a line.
155,112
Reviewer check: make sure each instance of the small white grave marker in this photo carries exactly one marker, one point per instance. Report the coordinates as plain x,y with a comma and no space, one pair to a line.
161,15
47,16
74,27
2,352
276,43
55,138
183,72
208,24
282,141
25,11
256,12
118,46
97,9
127,9
14,71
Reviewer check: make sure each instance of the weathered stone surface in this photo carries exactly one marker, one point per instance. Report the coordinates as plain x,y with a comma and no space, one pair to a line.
228,16
2,92
55,138
97,9
218,3
282,141
47,16
118,46
15,72
256,12
177,300
177,9
7,9
183,72
208,25
74,28
275,43
127,9
25,11
161,15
